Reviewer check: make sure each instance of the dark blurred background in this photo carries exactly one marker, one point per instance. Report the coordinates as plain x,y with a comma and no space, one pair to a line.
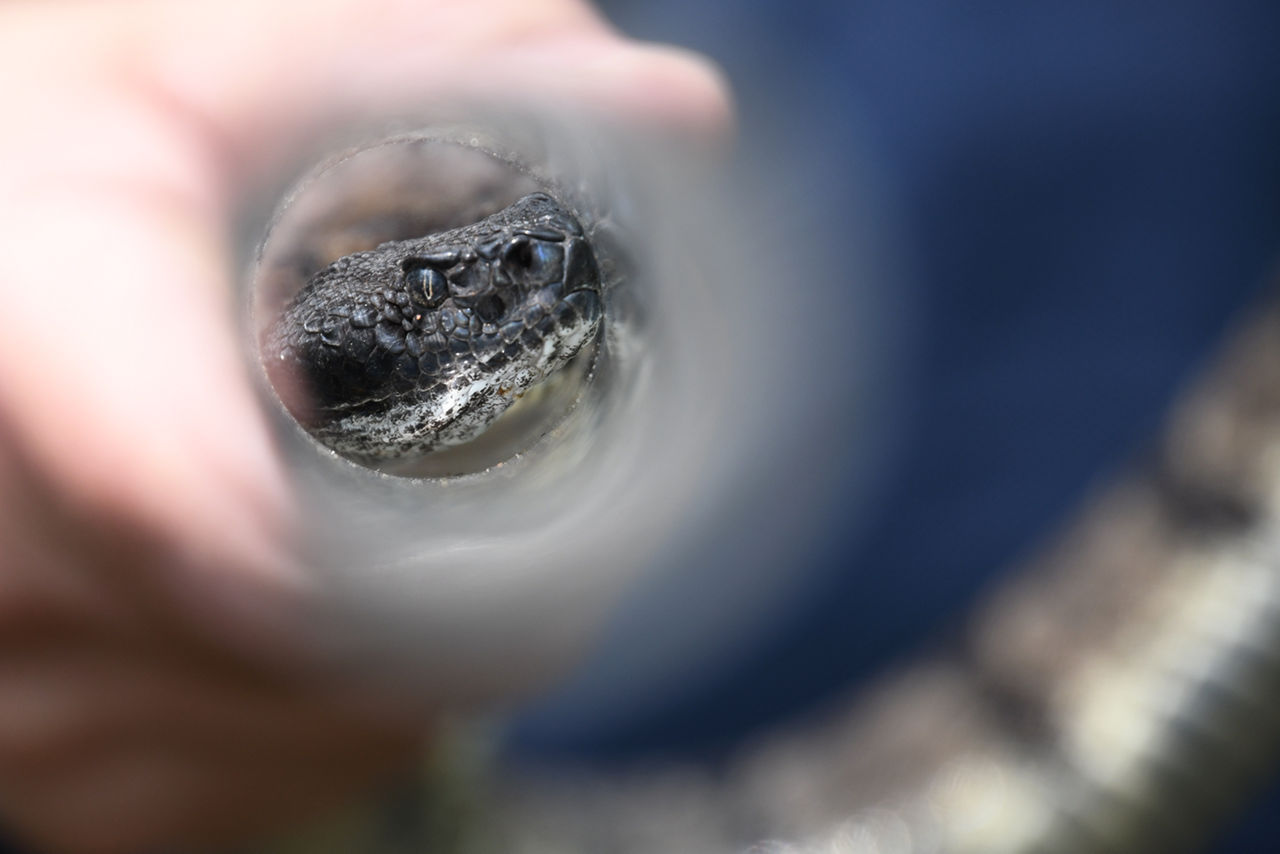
1082,197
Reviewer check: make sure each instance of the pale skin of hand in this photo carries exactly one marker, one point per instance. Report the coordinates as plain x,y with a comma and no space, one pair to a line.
153,692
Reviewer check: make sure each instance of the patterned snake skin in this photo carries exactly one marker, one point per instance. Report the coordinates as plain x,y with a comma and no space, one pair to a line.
420,344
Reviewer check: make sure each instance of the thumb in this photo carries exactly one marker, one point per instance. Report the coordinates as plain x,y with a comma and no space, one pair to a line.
259,76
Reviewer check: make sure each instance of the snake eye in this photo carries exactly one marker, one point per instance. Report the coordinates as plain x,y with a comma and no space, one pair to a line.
426,284
529,260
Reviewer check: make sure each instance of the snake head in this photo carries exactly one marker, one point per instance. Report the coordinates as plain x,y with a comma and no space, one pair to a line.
420,344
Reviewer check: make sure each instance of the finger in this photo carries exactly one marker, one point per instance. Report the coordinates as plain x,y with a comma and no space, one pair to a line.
161,749
307,60
65,699
121,384
40,591
191,799
263,76
140,399
187,800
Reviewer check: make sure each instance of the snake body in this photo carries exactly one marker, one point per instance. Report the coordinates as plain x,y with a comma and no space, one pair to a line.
421,344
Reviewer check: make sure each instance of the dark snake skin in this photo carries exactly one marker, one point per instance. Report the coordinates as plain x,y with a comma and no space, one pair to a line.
420,344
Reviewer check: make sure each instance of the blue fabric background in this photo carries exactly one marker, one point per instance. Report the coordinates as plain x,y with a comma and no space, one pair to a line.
1087,194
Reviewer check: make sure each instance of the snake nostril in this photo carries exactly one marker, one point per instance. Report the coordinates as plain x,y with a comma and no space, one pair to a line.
490,308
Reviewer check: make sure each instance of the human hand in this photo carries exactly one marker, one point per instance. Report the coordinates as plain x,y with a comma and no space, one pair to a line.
156,689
